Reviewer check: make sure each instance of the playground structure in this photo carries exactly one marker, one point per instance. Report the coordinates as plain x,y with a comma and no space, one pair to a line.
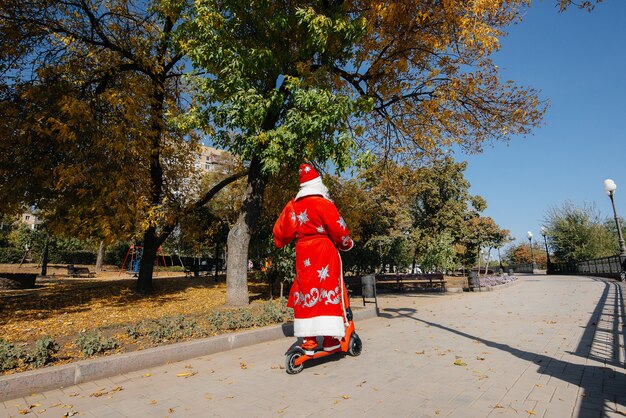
133,257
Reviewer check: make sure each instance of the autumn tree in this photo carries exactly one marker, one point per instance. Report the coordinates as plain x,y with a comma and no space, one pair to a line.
522,254
89,99
313,79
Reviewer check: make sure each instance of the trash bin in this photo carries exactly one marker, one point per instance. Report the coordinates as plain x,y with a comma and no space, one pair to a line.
368,283
511,272
473,281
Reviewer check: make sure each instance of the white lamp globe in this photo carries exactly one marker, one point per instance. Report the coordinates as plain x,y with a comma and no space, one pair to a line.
609,186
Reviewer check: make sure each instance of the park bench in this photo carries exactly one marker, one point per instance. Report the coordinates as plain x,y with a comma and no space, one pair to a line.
73,271
195,270
400,282
404,282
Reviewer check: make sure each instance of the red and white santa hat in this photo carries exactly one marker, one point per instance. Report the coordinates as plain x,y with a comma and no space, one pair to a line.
307,173
311,182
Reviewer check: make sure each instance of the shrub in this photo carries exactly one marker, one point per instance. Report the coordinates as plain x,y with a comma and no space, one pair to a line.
224,320
73,257
11,255
245,319
45,348
169,328
272,314
93,342
9,355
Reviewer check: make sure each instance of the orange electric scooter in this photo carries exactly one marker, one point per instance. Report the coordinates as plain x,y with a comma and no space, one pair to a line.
350,343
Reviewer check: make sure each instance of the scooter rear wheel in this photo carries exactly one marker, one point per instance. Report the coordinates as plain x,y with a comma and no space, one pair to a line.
354,349
290,361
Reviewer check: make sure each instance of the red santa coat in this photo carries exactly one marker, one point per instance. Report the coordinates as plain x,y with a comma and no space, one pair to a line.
318,296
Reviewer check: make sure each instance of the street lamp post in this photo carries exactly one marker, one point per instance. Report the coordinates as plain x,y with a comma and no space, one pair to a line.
532,254
609,189
544,232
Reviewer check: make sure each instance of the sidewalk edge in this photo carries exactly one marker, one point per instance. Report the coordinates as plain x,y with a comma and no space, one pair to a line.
55,377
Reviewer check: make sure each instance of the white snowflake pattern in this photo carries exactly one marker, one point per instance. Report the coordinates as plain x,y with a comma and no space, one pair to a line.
320,229
293,216
303,217
307,262
341,222
307,169
323,273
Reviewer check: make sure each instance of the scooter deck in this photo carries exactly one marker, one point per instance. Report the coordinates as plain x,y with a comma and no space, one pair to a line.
317,354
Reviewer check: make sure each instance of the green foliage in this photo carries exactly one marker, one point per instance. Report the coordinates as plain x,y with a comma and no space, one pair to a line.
440,255
72,257
92,342
166,329
9,355
10,255
264,101
43,352
272,313
577,233
232,319
282,269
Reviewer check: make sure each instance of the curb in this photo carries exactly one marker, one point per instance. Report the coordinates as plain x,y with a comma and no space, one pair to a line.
55,377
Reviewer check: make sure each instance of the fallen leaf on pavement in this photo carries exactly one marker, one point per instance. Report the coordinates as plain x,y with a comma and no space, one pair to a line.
186,374
458,362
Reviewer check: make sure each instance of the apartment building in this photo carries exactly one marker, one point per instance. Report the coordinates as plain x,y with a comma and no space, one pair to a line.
214,160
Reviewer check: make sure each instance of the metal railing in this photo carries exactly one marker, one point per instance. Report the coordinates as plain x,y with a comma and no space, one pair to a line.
613,267
521,268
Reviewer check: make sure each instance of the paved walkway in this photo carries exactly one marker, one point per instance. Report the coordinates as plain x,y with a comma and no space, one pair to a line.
549,346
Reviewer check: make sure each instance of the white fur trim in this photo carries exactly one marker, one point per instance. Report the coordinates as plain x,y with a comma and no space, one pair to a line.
332,326
313,187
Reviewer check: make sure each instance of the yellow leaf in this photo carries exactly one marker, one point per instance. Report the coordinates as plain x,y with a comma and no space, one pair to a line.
458,362
531,412
345,397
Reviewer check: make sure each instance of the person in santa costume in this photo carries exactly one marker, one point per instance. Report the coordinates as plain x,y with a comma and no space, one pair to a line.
318,296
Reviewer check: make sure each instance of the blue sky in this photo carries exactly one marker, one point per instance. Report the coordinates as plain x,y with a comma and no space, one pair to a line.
578,62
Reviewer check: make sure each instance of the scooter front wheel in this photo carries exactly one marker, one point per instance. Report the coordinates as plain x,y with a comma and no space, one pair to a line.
354,349
290,361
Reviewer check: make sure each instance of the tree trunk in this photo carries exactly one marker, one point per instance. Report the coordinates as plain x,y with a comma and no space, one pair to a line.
239,237
150,240
100,258
146,265
44,259
488,260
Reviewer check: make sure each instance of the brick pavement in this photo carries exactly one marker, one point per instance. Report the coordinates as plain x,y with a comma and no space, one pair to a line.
550,346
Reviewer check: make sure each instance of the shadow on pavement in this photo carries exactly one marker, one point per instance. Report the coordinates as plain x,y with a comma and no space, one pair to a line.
600,342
